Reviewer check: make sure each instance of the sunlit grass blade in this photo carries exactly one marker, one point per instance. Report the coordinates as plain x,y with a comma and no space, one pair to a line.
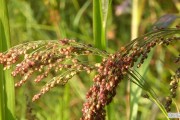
97,23
7,84
100,12
135,21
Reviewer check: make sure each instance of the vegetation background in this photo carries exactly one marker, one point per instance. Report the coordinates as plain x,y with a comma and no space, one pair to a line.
73,19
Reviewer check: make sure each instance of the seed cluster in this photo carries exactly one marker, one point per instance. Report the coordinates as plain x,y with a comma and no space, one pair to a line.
173,89
11,57
112,70
42,57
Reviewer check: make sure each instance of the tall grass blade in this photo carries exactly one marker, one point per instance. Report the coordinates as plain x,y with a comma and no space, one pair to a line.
2,96
97,23
100,13
7,84
136,18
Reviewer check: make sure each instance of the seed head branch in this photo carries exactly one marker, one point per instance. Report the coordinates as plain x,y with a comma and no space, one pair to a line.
62,56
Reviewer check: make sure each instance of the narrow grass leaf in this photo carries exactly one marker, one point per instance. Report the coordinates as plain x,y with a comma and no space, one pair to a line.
97,23
136,18
7,86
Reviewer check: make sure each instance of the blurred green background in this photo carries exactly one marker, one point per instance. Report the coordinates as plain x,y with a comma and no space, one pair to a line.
73,19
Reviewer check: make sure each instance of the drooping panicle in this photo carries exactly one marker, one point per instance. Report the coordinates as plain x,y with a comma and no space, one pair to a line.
113,69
